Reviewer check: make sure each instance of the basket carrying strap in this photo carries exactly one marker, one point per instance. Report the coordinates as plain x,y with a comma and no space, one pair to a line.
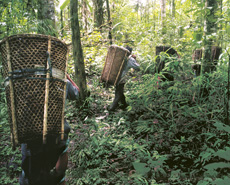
26,74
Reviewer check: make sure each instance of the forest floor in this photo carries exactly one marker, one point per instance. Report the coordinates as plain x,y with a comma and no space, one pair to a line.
168,135
84,119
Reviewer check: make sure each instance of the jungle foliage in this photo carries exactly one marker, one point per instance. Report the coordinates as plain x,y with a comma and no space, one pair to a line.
173,132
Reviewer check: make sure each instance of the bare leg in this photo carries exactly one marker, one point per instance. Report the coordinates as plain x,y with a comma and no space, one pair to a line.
61,165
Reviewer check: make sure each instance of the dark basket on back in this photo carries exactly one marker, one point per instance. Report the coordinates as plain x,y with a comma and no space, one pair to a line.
34,69
114,64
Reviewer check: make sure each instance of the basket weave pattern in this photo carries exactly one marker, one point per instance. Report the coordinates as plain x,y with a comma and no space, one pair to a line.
114,64
27,52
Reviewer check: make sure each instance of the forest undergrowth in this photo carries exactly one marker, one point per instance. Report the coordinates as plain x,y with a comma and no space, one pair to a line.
173,132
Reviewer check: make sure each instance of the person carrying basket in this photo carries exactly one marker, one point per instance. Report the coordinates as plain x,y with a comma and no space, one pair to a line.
119,88
46,164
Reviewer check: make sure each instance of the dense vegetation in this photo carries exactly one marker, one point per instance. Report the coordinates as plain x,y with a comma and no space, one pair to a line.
173,132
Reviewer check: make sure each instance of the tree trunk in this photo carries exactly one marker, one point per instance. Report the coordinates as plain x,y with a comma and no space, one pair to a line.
46,17
209,28
31,13
110,23
221,27
163,16
98,12
62,24
215,54
138,6
8,22
147,10
77,50
197,55
85,15
154,15
173,9
163,12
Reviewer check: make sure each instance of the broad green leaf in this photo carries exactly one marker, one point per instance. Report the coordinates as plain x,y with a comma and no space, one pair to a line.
222,127
95,141
162,172
202,182
224,181
66,3
214,166
141,168
225,154
228,29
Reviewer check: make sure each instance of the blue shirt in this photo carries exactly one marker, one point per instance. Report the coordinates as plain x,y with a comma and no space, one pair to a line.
131,63
71,91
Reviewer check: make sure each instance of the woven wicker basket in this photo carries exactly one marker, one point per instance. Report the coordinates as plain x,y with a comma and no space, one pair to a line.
34,69
115,61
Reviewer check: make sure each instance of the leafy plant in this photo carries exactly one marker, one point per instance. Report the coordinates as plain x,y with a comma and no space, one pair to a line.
10,160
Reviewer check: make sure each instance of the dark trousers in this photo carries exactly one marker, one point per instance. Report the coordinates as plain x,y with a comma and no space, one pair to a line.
39,160
119,97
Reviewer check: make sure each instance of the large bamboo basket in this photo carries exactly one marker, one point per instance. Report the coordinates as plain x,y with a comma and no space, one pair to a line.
115,61
34,69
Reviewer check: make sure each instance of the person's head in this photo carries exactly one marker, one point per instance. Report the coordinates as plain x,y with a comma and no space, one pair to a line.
129,48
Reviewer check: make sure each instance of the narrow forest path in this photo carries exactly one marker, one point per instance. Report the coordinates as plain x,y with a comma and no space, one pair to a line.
89,123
